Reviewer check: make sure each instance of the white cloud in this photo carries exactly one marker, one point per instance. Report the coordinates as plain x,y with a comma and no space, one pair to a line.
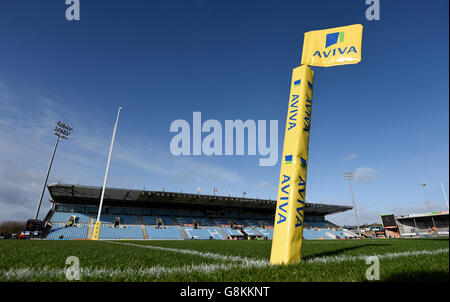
265,185
365,174
350,156
365,215
26,142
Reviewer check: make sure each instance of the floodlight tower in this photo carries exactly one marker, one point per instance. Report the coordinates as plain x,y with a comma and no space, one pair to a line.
426,196
445,196
349,176
61,131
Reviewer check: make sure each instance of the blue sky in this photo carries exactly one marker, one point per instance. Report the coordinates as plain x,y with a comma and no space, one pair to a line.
385,118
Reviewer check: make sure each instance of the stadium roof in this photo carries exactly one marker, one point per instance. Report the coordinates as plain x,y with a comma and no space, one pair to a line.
411,216
90,195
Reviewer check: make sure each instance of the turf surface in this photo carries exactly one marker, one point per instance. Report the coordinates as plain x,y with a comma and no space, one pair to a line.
204,260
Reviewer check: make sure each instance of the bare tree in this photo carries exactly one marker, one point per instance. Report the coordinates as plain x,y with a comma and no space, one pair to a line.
11,227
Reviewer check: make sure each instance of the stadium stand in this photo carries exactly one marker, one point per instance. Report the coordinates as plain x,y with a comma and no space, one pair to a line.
434,224
139,215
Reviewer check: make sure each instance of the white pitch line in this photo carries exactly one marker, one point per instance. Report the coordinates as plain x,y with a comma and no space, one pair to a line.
329,259
245,260
153,271
262,262
158,271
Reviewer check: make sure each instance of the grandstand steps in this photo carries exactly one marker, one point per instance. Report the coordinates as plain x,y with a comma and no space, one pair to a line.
349,234
144,231
316,235
244,233
332,236
182,232
222,232
90,228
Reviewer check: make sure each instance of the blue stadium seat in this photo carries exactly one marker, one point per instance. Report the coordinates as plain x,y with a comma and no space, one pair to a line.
149,220
68,233
203,221
231,232
265,232
128,219
153,220
124,219
64,217
170,232
168,220
318,234
184,220
251,232
308,234
203,233
128,232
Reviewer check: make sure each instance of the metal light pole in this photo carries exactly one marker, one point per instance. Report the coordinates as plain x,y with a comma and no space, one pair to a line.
445,196
426,197
107,165
349,176
61,131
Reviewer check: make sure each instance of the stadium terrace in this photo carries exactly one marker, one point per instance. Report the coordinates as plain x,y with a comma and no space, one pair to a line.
143,214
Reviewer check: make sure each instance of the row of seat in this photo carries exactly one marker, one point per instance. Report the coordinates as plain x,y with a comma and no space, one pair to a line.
173,232
153,232
92,210
64,217
210,228
60,217
68,233
203,233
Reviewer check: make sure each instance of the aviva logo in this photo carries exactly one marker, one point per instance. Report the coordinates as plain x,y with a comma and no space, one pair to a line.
333,38
288,159
333,46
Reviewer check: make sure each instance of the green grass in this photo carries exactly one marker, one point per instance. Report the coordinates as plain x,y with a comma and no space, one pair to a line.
344,260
